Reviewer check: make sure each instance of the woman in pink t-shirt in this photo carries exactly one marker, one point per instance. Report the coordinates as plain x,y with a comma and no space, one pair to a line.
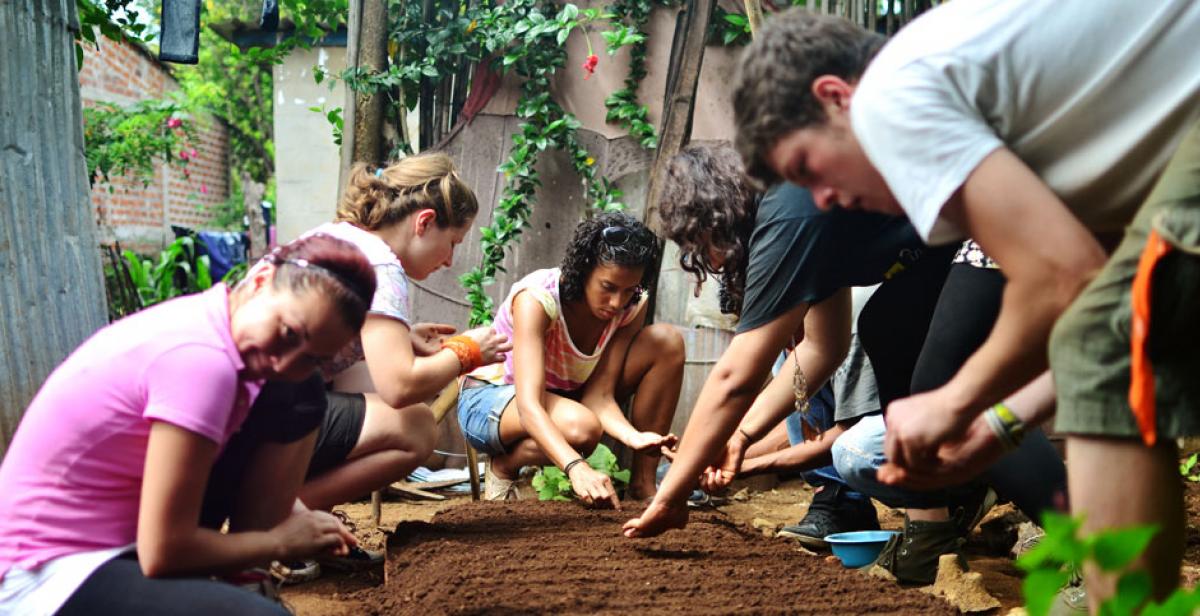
580,344
102,486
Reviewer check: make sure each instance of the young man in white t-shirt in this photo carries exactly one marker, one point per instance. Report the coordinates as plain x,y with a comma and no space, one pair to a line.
1033,127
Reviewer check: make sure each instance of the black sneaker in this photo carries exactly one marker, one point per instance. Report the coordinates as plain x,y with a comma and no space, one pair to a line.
831,512
358,559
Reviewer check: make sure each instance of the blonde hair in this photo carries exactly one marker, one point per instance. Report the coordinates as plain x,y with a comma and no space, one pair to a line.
374,199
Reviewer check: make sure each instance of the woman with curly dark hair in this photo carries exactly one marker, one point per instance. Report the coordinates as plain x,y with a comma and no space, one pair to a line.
579,346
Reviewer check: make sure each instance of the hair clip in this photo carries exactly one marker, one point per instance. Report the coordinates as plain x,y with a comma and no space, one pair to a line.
379,172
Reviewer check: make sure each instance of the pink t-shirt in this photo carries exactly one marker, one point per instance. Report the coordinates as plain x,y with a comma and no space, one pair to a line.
567,368
72,478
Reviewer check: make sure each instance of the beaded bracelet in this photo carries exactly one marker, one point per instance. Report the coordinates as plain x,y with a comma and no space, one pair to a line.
470,356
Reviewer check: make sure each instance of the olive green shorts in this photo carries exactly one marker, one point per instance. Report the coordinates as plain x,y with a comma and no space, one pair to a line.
1090,344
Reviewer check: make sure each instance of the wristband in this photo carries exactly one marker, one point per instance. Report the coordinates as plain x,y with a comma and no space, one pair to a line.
572,463
749,439
1008,428
466,350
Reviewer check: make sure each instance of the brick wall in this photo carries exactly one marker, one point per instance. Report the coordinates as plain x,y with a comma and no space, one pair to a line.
138,216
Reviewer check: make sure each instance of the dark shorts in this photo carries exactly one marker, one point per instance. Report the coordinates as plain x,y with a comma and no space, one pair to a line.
339,432
282,413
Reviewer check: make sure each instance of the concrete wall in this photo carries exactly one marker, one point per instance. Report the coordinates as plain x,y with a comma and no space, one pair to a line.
51,288
306,157
140,215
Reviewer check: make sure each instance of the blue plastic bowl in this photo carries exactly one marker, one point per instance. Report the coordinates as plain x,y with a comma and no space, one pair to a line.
859,548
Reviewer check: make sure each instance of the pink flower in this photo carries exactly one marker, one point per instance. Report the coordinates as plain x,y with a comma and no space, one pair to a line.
192,153
174,123
204,189
183,154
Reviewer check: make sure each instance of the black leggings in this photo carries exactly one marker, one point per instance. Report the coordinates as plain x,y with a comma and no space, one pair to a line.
1033,476
120,587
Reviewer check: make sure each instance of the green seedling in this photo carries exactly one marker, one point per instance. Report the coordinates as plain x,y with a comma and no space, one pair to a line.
552,484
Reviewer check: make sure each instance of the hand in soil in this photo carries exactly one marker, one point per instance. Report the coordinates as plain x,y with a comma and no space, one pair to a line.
592,487
957,461
657,519
492,344
651,442
306,533
918,425
427,337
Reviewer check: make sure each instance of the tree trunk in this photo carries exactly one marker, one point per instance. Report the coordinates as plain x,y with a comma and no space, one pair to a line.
252,195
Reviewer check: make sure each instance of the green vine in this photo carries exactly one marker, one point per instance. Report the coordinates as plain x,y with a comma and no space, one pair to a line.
623,107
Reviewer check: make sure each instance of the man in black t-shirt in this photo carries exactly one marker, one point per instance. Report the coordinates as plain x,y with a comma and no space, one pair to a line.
788,268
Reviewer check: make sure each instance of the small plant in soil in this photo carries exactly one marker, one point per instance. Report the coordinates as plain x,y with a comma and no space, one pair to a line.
1063,552
553,484
1187,467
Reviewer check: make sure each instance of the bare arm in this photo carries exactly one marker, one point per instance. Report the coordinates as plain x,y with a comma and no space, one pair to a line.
530,323
400,377
599,393
169,539
799,457
1047,256
819,353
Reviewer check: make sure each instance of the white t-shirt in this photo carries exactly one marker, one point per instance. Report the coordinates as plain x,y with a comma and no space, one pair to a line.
1093,95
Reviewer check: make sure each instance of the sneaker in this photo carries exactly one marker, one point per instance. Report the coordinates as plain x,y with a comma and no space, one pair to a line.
912,556
831,512
497,489
295,571
357,559
1072,599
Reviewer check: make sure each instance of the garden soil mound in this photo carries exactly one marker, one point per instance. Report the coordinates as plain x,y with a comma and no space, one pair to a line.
560,558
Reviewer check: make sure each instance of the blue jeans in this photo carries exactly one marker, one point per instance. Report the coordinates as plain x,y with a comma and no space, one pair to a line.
820,416
858,454
1032,477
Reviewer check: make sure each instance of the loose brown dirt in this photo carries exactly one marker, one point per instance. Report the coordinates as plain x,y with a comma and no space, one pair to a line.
561,558
486,565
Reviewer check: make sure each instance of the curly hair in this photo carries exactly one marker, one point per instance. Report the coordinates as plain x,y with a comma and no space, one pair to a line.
772,89
588,248
708,206
376,198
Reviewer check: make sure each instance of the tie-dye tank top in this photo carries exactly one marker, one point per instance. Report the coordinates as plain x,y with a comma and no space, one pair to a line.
567,368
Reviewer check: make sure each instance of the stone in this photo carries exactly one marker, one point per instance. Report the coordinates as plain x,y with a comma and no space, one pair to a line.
962,589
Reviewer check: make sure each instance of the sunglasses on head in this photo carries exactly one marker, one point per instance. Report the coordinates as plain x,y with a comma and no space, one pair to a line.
615,236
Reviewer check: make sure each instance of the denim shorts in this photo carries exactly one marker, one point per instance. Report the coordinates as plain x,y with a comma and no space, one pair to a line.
479,410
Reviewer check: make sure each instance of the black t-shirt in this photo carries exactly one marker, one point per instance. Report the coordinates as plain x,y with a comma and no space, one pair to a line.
799,254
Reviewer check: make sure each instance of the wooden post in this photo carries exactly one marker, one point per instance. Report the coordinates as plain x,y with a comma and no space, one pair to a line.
754,13
683,75
362,116
252,194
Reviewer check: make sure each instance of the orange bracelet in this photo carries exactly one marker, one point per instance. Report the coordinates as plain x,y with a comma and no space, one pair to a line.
470,356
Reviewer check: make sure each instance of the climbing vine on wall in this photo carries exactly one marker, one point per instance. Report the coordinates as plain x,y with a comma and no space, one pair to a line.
525,38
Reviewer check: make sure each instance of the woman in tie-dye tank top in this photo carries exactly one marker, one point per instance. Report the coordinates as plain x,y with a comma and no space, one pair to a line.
580,348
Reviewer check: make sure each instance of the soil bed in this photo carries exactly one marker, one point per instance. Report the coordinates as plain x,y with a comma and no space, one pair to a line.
536,557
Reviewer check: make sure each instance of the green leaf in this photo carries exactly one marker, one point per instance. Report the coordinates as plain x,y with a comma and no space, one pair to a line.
1113,550
1040,589
1180,603
737,19
1133,589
